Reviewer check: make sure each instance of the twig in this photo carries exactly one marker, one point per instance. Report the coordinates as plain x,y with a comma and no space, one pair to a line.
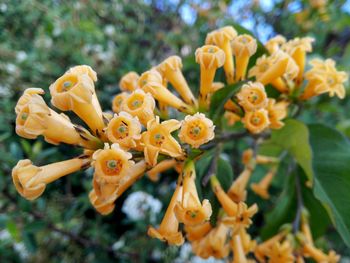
296,222
213,165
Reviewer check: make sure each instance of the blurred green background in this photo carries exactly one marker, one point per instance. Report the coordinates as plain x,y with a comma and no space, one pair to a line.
40,40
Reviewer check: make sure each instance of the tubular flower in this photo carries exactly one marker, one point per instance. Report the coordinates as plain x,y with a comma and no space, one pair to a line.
238,251
189,210
252,96
163,166
231,118
105,191
222,38
157,139
305,227
297,49
151,81
319,256
129,82
124,129
281,253
75,91
256,121
30,180
261,188
83,69
243,47
217,242
274,44
247,243
323,78
171,70
141,105
270,70
263,249
210,58
237,191
277,111
118,101
196,130
35,118
168,230
198,231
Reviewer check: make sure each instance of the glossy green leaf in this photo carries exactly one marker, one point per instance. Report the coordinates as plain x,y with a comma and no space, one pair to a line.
331,164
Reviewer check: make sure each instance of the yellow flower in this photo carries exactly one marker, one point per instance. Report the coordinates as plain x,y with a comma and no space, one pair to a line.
106,190
196,130
222,38
231,118
198,231
318,3
238,251
118,101
151,81
237,191
281,253
141,105
171,70
277,111
270,70
324,77
35,118
210,59
30,180
319,256
275,43
83,69
262,250
189,210
256,121
129,82
157,139
75,91
252,96
124,129
247,243
261,188
163,166
243,47
169,227
217,239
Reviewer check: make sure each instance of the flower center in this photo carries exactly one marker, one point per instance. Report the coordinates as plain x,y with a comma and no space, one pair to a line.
211,50
196,131
113,167
330,81
122,131
158,139
24,116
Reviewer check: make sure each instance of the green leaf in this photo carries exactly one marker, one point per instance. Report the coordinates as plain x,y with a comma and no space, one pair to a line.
220,97
224,173
294,138
331,164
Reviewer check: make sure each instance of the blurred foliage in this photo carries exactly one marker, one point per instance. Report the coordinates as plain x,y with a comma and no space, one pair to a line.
40,40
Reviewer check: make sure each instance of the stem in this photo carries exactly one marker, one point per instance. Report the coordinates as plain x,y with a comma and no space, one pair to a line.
296,222
213,165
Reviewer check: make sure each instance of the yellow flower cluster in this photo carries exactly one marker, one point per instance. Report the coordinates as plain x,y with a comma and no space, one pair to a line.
143,136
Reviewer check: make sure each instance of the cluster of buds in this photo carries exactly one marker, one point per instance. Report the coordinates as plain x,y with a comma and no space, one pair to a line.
143,137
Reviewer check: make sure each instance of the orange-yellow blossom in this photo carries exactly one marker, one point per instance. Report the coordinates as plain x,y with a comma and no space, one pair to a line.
75,91
168,230
151,81
222,38
247,242
198,231
210,58
252,96
141,105
277,111
261,188
238,251
189,210
319,256
30,180
35,118
196,130
129,82
158,139
275,43
237,191
124,129
281,252
231,118
118,101
323,77
256,121
262,250
170,69
105,191
243,47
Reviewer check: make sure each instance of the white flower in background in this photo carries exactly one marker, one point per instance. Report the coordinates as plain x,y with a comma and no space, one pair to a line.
5,235
109,30
209,260
11,68
4,91
140,205
21,250
21,56
118,245
186,50
185,253
3,7
57,30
